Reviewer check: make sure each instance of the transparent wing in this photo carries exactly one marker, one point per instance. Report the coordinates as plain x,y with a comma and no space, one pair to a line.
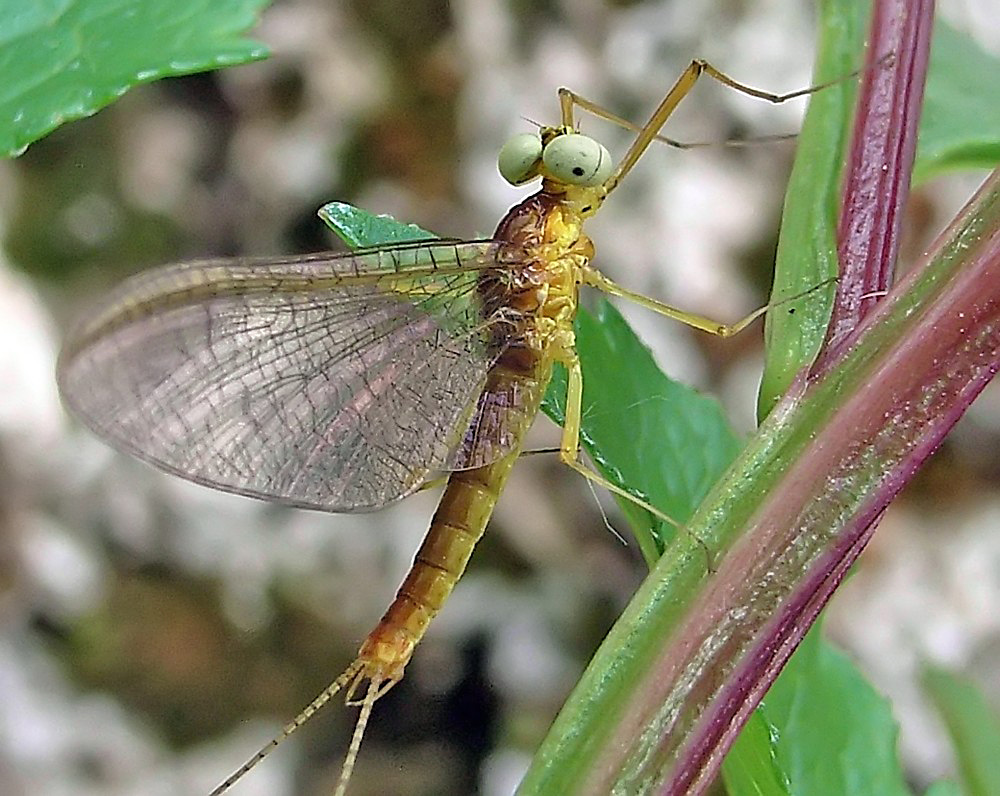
324,381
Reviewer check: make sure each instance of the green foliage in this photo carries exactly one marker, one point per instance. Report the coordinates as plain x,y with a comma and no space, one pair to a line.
807,246
974,729
752,766
359,229
960,125
645,432
943,788
66,59
821,729
959,129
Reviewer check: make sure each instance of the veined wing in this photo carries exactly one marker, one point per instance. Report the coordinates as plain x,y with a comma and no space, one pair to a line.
335,382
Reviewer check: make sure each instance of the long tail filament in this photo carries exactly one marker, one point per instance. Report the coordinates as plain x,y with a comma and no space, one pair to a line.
351,677
376,688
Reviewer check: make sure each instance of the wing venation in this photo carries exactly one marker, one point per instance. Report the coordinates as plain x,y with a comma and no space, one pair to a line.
331,382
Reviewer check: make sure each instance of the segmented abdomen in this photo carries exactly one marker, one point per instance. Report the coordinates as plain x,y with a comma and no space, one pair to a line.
513,296
458,524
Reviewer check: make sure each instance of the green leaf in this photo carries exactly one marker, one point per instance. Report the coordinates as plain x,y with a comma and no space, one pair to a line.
359,229
750,766
66,59
943,788
807,247
973,727
960,126
827,732
646,433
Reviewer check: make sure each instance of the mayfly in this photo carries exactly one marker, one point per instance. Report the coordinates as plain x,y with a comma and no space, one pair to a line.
343,382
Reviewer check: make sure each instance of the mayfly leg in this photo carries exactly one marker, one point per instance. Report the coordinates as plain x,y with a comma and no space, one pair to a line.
649,132
603,113
569,448
594,278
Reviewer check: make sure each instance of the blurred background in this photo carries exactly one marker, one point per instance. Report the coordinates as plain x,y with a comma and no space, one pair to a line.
154,633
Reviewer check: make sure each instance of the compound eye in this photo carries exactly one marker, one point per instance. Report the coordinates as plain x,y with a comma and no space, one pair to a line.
577,159
518,158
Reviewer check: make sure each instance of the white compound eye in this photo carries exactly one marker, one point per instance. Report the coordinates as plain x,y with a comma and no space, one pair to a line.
518,158
577,159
